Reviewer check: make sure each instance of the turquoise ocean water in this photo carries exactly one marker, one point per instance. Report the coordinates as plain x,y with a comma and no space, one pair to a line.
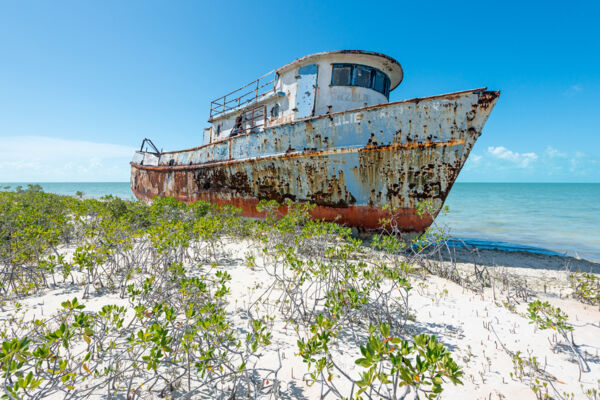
89,189
560,217
556,217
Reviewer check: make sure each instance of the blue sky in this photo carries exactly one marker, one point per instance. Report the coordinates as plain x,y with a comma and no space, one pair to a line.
82,82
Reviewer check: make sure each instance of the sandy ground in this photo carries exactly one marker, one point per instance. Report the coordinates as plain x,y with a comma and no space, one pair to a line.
478,328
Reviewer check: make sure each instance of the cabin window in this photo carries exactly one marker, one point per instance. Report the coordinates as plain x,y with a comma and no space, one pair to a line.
342,75
379,82
275,111
360,75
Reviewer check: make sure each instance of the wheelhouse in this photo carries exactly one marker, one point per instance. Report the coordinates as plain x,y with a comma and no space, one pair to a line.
311,86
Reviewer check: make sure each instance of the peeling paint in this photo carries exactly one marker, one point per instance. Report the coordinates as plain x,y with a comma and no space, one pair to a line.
350,164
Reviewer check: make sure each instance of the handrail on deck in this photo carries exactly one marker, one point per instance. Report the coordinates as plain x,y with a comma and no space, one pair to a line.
148,142
235,99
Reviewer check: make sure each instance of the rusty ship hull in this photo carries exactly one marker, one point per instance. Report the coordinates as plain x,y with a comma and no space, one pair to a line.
350,164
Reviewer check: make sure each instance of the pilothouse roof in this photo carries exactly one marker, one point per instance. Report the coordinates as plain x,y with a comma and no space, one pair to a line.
387,64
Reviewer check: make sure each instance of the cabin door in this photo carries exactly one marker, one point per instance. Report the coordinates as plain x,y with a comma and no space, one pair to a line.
307,90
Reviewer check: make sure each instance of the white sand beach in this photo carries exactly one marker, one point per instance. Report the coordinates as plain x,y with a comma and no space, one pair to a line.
480,329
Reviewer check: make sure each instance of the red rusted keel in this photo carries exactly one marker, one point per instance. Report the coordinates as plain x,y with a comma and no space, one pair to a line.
366,217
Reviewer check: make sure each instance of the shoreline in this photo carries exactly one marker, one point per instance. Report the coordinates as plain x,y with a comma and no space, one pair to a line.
514,247
527,259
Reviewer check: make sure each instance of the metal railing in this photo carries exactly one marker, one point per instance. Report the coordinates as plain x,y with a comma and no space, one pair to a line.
245,95
149,143
249,120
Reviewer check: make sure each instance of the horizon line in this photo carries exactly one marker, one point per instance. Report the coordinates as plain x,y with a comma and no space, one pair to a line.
74,182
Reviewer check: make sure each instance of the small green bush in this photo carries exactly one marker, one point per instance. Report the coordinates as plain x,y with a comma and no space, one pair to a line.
586,287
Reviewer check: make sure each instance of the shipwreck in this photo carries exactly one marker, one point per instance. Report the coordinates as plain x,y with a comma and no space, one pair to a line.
321,129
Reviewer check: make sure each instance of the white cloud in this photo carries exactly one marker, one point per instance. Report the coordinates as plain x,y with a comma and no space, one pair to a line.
553,153
473,162
46,159
552,165
521,160
475,159
573,90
